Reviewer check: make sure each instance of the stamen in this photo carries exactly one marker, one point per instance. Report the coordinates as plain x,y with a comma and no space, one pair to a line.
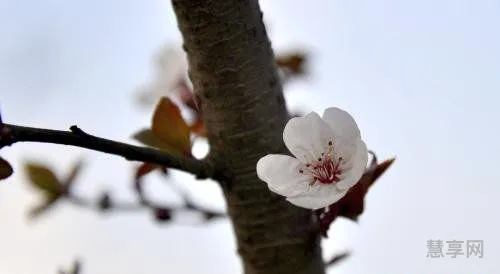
327,169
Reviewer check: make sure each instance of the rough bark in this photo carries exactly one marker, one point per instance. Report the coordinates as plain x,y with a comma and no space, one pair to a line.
233,71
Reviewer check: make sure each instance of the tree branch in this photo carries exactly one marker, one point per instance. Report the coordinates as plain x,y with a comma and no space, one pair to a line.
76,137
161,212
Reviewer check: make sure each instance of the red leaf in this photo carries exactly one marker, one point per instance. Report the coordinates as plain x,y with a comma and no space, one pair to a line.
198,128
5,169
351,205
146,168
292,63
382,167
169,132
162,214
169,125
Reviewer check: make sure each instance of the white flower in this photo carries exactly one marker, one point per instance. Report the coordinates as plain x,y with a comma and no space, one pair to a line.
170,70
330,159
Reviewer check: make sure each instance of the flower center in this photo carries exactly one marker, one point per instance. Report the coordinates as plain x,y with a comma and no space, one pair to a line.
327,169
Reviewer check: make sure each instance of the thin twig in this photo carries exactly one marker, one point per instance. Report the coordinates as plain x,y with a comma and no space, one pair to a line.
122,206
143,204
337,259
77,137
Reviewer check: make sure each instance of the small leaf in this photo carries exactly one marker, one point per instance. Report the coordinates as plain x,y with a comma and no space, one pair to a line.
169,131
147,137
162,214
146,168
43,179
170,127
351,205
38,210
337,259
5,169
74,172
104,203
198,128
209,216
382,167
292,63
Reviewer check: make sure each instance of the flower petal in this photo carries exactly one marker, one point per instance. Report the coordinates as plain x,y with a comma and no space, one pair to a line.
342,123
346,132
318,197
281,173
307,137
357,167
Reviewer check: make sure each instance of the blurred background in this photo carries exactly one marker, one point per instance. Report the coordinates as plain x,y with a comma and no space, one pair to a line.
420,77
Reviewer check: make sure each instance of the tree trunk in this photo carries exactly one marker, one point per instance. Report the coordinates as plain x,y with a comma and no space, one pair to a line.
233,71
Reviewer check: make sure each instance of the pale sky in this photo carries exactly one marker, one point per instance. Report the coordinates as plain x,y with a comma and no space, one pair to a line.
420,77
